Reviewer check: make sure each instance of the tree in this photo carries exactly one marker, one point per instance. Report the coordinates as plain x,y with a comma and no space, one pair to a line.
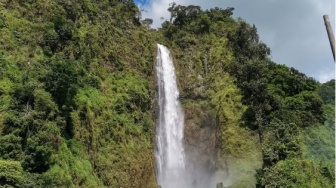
327,92
147,22
245,43
297,173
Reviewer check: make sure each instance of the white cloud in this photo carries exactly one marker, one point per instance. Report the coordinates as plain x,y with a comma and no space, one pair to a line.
324,76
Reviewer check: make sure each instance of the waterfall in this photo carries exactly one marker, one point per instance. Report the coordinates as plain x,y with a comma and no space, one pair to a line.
169,154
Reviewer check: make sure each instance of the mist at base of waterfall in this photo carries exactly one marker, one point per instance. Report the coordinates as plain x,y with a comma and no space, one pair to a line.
198,178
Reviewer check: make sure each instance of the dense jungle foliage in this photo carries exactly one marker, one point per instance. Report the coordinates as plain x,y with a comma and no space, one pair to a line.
77,98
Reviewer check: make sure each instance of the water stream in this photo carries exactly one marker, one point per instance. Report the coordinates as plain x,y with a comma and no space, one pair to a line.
169,155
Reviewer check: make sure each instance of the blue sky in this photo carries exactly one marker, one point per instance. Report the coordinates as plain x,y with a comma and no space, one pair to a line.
142,2
293,29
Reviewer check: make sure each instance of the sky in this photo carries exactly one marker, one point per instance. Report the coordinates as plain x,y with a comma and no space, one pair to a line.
293,29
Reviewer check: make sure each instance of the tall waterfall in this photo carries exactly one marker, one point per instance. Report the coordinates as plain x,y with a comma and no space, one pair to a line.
169,154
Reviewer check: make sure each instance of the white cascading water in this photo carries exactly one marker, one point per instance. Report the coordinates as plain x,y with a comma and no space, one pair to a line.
169,154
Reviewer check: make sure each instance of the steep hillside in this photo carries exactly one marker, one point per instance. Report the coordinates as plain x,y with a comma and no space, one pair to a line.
251,115
76,95
77,99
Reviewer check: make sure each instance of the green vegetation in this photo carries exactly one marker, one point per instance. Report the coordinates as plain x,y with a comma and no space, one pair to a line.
270,120
76,95
77,98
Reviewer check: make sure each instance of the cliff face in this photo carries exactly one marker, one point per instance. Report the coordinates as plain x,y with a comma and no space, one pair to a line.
77,91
